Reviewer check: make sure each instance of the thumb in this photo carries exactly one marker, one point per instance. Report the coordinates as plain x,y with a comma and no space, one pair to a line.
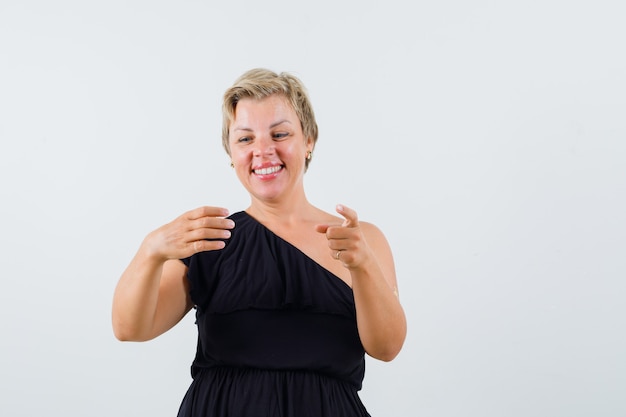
321,228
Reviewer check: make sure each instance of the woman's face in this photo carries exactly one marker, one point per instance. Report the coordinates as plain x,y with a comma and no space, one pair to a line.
267,147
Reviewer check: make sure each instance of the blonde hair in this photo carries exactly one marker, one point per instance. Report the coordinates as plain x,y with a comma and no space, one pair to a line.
259,83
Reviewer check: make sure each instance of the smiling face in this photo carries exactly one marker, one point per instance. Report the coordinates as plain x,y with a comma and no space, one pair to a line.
268,148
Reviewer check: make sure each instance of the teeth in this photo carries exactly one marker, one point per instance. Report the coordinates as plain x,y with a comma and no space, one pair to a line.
266,171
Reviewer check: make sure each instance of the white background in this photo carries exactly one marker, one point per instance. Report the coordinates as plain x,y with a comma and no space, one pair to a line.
487,139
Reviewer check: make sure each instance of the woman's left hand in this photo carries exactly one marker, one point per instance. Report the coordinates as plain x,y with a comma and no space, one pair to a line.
380,317
346,241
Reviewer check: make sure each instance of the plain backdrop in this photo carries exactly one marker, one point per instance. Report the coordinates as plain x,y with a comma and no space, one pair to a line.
486,139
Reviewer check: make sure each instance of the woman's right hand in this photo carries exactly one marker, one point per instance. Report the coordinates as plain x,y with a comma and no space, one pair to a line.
198,230
152,294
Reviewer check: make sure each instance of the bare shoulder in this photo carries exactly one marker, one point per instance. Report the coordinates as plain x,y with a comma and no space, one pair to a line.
377,241
373,233
323,216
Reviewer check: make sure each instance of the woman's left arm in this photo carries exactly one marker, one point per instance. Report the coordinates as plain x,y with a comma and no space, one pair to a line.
365,252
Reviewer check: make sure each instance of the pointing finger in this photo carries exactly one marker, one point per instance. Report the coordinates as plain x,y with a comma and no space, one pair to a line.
350,216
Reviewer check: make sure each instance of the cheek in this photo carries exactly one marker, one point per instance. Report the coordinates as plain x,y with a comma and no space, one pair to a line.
240,156
291,149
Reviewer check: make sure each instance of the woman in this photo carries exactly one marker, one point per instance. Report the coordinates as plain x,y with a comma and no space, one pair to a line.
288,298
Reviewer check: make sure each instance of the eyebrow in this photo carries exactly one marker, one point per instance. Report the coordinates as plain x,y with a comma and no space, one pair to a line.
273,125
280,122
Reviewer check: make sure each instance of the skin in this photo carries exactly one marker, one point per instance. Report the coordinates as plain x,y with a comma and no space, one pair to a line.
268,151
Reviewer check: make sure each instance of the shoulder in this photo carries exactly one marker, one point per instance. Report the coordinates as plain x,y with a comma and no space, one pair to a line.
320,216
370,228
373,233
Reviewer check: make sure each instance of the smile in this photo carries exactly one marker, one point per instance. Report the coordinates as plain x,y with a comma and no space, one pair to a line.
268,170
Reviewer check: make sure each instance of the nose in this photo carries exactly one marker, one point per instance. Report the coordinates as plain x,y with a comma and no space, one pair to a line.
264,146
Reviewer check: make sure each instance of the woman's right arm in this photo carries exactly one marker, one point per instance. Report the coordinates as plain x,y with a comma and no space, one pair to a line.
152,294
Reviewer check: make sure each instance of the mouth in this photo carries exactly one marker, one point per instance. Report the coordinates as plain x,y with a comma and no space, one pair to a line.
268,170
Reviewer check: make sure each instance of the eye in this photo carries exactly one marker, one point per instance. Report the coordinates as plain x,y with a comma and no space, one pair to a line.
244,139
280,135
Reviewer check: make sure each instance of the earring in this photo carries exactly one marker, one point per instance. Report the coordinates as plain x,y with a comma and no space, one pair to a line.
232,165
308,155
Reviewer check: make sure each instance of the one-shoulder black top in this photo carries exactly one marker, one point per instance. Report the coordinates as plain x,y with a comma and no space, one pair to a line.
277,333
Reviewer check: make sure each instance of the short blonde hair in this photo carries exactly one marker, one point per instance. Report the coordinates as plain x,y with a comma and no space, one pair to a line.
259,83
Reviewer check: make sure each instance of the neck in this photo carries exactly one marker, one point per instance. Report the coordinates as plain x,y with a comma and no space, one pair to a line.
285,212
